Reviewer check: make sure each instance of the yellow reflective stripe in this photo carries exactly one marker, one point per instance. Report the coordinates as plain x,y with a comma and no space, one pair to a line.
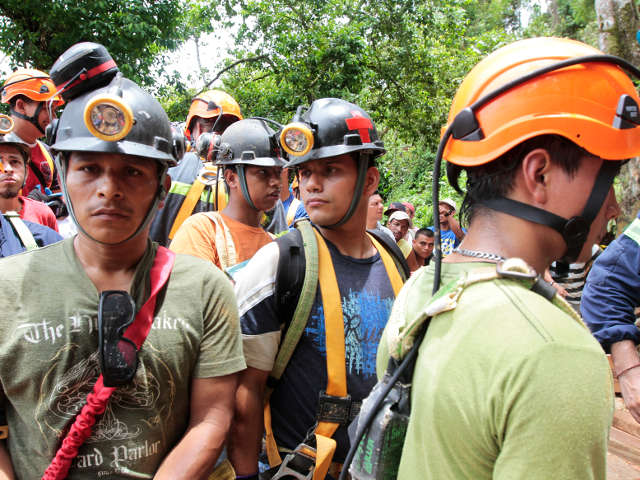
186,209
180,188
633,231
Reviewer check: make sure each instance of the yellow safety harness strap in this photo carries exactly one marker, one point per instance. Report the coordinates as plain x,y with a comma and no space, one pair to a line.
224,242
186,209
291,211
389,265
207,176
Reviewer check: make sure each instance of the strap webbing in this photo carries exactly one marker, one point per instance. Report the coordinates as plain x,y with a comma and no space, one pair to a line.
335,345
98,398
224,242
26,237
189,203
291,211
294,331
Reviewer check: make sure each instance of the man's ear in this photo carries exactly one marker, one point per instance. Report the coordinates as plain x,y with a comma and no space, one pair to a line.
231,178
535,169
371,182
166,185
20,105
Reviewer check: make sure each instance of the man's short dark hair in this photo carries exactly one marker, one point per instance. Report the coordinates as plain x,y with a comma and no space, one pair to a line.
424,231
496,178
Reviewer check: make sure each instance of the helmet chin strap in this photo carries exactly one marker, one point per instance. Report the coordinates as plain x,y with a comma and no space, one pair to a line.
160,195
575,230
33,119
243,185
363,166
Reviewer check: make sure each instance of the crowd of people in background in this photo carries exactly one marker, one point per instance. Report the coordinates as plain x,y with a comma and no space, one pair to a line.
221,299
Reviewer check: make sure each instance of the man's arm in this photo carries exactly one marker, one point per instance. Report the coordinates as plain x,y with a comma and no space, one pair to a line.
455,227
6,468
609,298
246,432
211,413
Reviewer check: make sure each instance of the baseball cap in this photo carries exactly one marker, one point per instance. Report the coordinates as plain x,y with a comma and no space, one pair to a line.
395,206
449,202
398,215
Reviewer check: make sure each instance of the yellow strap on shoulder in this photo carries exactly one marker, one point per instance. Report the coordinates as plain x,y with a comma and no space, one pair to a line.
389,266
4,432
224,242
291,211
193,195
336,363
47,156
186,209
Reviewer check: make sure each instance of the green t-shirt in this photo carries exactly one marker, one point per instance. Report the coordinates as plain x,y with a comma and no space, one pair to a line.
507,386
49,360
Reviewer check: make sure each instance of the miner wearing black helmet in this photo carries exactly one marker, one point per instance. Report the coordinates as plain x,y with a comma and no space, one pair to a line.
252,162
124,333
354,279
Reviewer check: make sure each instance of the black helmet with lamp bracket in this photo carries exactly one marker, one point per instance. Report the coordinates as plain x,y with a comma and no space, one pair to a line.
328,128
109,114
249,142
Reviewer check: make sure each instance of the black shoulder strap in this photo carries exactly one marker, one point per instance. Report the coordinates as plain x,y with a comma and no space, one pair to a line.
394,250
289,274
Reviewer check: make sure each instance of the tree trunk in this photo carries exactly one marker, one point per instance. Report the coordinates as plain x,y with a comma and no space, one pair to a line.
618,23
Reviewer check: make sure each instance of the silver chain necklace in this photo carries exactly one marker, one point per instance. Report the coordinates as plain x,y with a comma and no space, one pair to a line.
483,255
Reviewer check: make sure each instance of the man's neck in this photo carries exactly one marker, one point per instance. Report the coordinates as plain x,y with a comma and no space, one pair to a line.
12,204
25,136
110,267
241,212
350,238
510,236
372,224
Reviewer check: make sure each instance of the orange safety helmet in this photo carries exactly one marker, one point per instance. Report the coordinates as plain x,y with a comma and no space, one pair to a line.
31,83
208,105
579,102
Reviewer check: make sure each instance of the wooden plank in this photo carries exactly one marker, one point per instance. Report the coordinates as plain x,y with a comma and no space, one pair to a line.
619,469
623,420
624,445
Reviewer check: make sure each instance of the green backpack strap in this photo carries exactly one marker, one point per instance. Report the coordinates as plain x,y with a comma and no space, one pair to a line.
303,308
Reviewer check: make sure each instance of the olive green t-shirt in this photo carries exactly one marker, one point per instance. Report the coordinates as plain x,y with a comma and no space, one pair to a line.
507,386
49,361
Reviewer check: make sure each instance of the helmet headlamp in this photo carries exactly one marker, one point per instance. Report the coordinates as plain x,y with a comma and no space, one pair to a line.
108,118
6,124
296,139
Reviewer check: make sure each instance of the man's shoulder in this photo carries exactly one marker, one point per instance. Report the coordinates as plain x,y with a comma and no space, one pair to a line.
49,258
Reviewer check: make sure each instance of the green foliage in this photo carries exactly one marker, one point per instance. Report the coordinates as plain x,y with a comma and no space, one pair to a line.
34,33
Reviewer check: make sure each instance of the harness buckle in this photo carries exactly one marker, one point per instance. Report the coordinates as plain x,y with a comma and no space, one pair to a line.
334,409
299,464
515,268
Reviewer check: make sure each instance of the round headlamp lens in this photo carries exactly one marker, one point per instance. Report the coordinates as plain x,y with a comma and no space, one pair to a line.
108,118
296,139
6,124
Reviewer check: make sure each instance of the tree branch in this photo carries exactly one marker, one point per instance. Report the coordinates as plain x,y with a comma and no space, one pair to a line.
231,65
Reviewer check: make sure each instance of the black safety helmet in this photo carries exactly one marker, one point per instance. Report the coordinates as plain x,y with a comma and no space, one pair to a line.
332,127
118,118
249,142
